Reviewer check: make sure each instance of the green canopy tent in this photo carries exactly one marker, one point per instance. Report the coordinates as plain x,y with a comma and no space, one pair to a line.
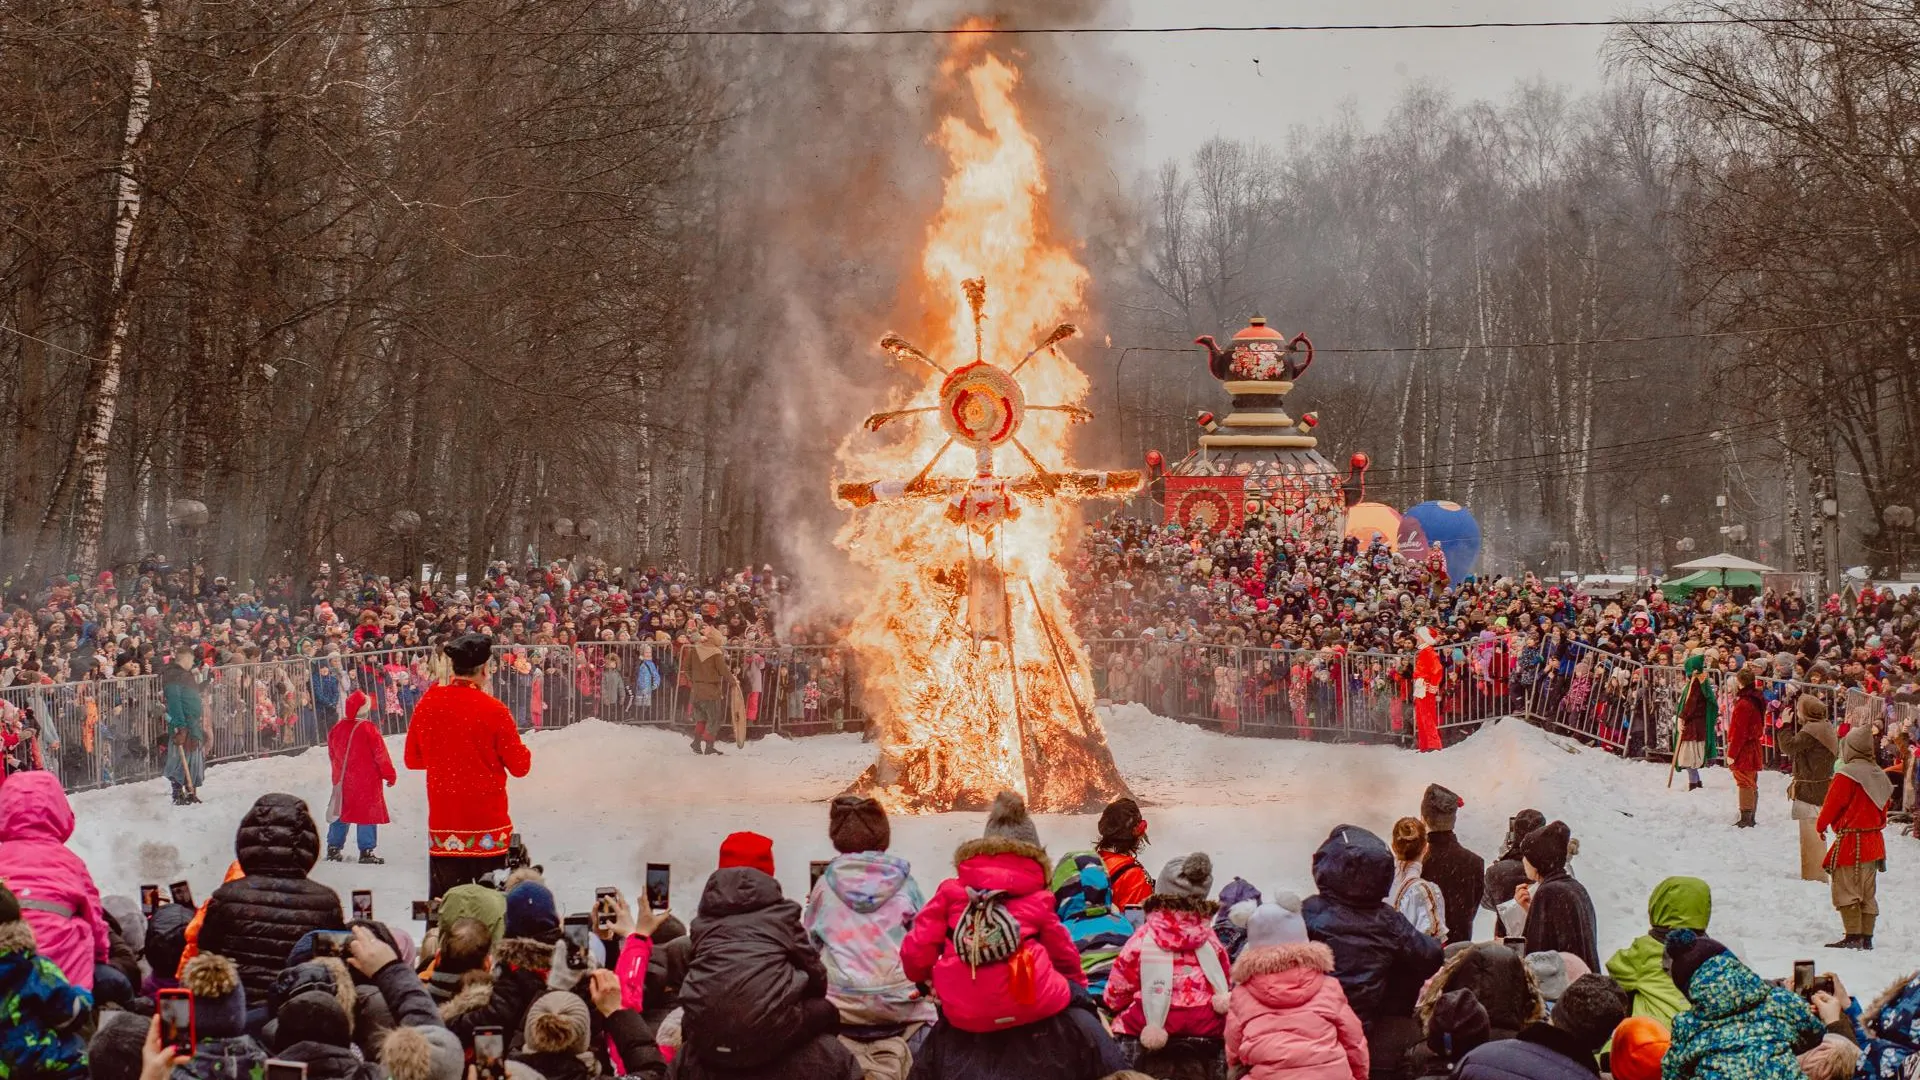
1681,588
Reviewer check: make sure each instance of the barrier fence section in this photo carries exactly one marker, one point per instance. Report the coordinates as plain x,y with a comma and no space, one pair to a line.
111,731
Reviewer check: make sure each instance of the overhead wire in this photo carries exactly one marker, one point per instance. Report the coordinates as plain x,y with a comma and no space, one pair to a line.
1020,31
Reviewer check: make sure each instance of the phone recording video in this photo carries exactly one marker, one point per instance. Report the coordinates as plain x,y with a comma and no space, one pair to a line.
182,893
606,901
1803,978
814,870
363,905
286,1070
331,943
578,932
149,900
659,882
175,1008
489,1052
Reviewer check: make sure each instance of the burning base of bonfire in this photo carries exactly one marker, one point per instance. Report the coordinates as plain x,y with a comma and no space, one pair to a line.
971,738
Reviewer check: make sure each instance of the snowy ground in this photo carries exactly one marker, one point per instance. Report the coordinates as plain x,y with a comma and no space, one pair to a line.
604,800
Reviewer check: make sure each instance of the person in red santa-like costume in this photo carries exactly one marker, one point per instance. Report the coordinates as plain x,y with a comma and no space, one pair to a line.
1427,675
468,744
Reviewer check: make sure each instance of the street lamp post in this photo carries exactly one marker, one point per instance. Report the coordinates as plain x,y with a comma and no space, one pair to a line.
1899,521
188,517
1830,526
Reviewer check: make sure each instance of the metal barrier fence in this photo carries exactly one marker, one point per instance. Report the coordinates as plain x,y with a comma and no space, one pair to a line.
102,732
111,731
1317,694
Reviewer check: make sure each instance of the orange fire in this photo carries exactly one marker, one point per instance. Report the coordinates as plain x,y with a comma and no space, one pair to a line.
968,660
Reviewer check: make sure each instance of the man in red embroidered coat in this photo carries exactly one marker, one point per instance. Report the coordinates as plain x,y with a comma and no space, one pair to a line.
1427,675
1856,812
468,744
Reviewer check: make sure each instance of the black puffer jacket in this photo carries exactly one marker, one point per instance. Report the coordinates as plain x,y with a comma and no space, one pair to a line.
255,920
751,974
1378,957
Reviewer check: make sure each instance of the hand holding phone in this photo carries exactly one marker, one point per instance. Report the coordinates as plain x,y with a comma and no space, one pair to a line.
577,932
173,1010
1802,978
158,1057
659,885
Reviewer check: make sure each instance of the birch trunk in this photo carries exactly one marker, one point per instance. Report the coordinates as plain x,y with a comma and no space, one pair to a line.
86,469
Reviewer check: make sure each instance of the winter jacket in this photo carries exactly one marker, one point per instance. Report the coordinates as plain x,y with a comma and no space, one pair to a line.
1084,899
1858,825
820,1057
1130,880
1892,1027
325,1061
1420,901
1461,876
255,919
1379,958
1069,1045
1677,903
501,997
57,895
1036,983
1561,919
182,698
857,917
1813,760
1289,1019
1499,980
363,769
1743,730
1181,929
1541,1052
238,1058
706,667
752,972
42,1015
1740,1028
467,743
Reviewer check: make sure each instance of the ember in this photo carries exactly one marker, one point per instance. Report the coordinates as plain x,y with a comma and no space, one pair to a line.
979,682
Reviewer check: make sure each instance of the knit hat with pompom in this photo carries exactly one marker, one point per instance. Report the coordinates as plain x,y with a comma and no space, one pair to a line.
423,1053
219,1001
558,1023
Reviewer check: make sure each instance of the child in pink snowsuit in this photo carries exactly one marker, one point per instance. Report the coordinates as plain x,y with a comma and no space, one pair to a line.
1170,979
57,896
1034,982
1289,1019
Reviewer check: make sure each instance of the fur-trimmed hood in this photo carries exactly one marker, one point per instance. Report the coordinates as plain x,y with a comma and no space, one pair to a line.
476,991
1197,905
1269,959
525,954
17,937
999,845
1872,1012
1499,978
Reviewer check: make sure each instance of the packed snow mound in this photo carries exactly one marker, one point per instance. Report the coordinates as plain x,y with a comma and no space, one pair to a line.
603,800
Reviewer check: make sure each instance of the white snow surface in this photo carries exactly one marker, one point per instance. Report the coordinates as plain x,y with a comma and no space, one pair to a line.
603,800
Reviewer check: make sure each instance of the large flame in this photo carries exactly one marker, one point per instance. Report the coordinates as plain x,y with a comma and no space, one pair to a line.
961,720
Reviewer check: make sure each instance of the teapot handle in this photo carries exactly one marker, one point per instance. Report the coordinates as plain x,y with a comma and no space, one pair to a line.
1300,341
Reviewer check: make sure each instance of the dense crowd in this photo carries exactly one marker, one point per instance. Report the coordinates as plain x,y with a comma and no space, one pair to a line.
1019,966
75,628
1267,589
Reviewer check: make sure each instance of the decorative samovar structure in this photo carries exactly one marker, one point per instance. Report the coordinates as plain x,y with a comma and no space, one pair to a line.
1258,463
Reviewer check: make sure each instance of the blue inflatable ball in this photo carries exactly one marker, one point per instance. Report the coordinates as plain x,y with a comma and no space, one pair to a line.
1451,528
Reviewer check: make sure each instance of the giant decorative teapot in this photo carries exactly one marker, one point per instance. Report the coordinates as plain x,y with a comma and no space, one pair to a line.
1258,353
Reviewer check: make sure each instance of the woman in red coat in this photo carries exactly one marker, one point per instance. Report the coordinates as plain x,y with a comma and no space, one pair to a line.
1743,744
1856,811
362,771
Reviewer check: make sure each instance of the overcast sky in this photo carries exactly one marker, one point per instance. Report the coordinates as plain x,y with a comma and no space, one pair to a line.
1191,87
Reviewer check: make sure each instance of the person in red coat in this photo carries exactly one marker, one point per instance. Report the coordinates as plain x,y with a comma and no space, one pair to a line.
1743,744
362,772
1427,677
1856,811
468,744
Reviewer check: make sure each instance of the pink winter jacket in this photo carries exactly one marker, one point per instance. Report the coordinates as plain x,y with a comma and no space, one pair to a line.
1289,1019
1034,984
35,822
1181,934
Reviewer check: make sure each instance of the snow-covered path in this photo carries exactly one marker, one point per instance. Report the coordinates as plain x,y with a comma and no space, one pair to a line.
604,800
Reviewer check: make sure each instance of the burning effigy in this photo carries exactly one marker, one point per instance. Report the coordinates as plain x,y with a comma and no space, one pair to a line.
975,676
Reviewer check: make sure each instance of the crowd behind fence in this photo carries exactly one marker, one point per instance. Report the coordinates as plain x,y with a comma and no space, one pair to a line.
101,732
